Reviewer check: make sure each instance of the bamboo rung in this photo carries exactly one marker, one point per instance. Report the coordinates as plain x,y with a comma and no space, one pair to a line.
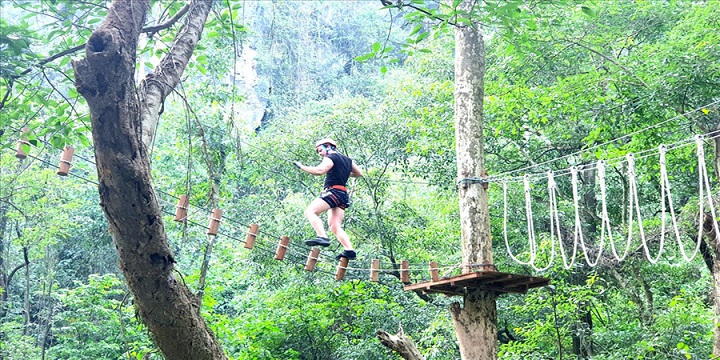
66,161
214,224
181,209
312,259
434,275
282,248
20,153
405,271
251,236
374,266
341,269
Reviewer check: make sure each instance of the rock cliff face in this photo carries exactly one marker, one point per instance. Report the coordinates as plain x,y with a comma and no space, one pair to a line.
302,51
250,113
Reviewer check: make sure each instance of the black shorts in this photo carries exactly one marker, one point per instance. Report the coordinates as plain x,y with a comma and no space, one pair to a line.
336,198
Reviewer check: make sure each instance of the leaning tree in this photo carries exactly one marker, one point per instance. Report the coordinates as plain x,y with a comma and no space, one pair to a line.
124,115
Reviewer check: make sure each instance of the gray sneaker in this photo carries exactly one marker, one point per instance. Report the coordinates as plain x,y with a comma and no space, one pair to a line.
318,241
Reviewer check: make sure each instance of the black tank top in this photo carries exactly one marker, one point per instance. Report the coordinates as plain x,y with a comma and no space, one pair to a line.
340,172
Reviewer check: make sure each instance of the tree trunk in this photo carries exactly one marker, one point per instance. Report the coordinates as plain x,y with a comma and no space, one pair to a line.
582,329
106,79
716,302
476,325
26,297
3,275
476,322
401,344
712,242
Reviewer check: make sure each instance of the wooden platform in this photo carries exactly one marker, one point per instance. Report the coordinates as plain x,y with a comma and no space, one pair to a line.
486,280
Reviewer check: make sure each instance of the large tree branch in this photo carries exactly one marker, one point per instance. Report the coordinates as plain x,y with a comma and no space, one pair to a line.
153,29
158,85
147,30
11,275
611,60
401,344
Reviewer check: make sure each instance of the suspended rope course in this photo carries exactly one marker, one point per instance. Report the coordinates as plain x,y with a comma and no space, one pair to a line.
183,213
594,254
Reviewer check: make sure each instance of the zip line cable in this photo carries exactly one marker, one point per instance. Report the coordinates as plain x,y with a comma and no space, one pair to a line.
160,191
644,154
506,174
502,176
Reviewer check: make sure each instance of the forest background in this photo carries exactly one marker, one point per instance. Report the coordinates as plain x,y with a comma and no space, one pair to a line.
567,83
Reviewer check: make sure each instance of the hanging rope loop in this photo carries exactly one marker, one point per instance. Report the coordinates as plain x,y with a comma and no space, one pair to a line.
529,218
666,198
505,221
704,187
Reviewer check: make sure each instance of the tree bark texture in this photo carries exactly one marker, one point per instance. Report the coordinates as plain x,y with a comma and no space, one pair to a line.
476,322
3,276
712,243
106,79
401,344
476,325
716,302
469,91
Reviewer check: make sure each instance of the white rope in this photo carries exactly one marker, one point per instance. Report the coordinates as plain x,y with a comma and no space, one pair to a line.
606,217
634,197
665,193
528,201
614,161
578,225
578,232
505,220
702,170
424,269
529,218
555,223
634,211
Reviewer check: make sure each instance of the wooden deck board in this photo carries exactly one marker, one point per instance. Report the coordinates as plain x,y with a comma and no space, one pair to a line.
487,280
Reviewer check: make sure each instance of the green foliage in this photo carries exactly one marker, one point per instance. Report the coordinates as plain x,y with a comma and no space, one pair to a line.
15,43
95,321
561,79
15,344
